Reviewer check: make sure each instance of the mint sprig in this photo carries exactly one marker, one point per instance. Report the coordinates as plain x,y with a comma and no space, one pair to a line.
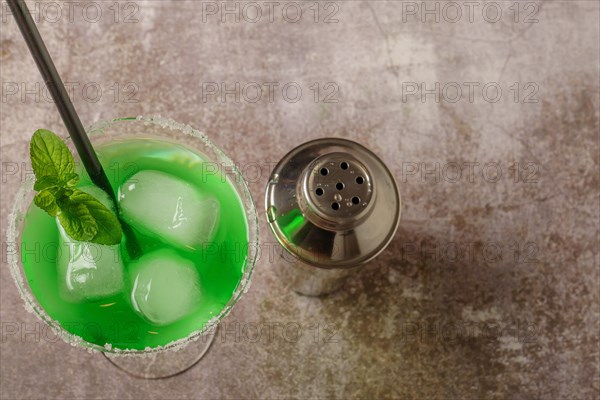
82,216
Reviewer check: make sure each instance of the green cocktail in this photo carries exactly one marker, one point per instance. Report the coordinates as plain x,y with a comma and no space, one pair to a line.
189,210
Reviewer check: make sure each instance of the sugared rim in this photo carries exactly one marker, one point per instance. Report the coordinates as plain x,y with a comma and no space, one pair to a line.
32,305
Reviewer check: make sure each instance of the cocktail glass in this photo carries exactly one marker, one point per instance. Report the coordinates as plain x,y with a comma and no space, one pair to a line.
159,361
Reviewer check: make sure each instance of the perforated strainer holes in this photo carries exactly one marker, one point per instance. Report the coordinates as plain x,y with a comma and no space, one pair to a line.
337,186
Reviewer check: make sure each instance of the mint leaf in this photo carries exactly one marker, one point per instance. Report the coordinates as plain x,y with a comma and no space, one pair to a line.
46,201
72,180
46,182
50,156
77,221
82,216
62,195
109,229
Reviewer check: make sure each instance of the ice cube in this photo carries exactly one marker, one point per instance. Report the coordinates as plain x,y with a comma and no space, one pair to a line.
88,271
160,204
166,286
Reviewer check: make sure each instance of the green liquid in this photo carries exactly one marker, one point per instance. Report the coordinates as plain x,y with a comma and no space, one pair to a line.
112,320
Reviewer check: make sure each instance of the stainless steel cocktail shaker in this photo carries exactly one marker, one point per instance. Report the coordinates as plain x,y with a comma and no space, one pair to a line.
333,206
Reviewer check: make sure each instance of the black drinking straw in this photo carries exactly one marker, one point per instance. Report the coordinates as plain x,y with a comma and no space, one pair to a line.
59,94
65,107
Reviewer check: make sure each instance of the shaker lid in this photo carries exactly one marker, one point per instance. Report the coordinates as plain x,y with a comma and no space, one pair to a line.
332,203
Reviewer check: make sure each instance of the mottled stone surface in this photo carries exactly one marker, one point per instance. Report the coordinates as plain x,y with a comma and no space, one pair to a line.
490,288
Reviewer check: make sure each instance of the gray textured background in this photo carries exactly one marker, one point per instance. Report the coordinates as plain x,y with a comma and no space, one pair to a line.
515,314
